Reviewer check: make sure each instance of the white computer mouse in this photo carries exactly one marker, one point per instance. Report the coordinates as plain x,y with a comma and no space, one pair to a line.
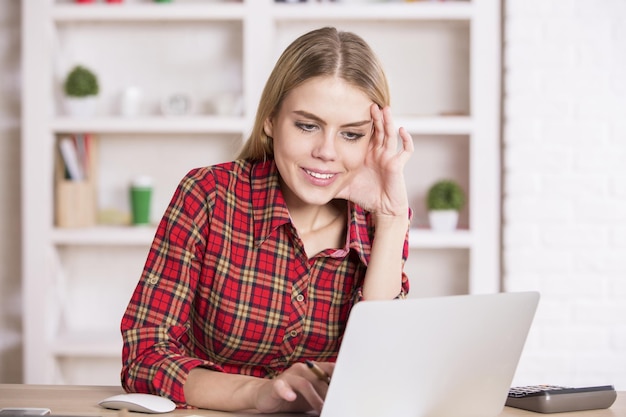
142,403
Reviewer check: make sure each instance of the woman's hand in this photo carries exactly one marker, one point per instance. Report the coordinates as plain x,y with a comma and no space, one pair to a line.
379,187
295,390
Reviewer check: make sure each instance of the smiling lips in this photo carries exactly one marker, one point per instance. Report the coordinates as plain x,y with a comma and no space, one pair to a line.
320,178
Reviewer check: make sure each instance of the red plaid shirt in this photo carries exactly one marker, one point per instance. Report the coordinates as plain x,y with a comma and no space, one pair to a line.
227,284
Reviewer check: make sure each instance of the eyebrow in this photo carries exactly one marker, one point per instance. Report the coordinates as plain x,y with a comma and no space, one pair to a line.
319,120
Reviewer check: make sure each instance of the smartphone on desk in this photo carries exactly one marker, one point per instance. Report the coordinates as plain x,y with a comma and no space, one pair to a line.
23,412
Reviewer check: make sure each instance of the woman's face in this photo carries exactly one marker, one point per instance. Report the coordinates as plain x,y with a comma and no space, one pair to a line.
321,135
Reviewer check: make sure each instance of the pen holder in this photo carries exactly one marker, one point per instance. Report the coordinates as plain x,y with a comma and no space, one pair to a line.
76,181
75,204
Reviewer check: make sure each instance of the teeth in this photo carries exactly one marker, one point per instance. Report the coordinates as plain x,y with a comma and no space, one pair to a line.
319,175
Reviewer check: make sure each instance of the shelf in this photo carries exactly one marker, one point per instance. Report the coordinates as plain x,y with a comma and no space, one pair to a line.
148,12
104,235
173,124
444,125
441,125
428,239
461,10
139,236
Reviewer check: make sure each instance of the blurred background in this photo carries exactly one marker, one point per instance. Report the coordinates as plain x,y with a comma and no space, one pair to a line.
558,224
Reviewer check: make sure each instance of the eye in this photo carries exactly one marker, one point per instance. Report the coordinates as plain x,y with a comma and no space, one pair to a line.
352,136
306,127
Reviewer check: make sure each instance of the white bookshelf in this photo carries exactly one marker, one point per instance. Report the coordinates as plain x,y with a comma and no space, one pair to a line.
441,58
183,124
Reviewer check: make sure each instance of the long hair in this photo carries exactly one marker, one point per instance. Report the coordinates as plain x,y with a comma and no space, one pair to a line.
321,52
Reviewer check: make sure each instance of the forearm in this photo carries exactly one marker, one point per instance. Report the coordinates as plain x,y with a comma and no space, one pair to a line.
221,391
383,279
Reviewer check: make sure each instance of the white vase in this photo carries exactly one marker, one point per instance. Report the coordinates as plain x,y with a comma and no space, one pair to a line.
80,107
443,220
130,102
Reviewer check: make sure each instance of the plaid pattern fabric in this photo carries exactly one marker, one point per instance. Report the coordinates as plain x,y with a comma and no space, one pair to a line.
227,284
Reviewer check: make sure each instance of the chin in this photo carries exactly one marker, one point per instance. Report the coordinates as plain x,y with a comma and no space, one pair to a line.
316,199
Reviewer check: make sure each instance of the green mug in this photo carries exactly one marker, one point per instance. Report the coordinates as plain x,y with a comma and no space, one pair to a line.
140,200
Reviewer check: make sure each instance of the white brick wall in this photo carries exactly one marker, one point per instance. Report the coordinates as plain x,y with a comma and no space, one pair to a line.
565,185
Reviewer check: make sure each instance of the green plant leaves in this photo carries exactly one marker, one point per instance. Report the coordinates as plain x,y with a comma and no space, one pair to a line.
445,195
81,82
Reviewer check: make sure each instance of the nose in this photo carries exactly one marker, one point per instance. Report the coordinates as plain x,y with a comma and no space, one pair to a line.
324,147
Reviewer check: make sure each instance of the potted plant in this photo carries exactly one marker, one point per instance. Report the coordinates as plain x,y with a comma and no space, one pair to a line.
444,201
81,89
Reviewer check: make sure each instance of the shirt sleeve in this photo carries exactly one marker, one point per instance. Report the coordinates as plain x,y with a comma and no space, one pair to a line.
405,255
156,322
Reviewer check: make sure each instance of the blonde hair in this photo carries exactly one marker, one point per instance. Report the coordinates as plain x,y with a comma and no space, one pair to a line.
321,52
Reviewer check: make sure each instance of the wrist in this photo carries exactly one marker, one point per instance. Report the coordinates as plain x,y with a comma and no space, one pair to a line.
391,221
252,392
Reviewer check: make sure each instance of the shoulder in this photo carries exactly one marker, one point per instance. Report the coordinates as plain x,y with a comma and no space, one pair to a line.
223,174
203,189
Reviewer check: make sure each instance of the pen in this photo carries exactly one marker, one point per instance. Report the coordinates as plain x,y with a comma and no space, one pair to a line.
319,372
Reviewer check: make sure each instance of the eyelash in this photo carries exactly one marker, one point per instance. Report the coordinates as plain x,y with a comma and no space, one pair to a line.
309,128
306,127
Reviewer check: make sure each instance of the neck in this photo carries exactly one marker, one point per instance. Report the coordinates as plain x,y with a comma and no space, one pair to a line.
309,218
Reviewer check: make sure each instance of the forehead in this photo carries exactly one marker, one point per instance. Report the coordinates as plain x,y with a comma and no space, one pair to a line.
327,97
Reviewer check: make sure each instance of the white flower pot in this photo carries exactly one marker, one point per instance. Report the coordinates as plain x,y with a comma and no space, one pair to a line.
443,220
80,107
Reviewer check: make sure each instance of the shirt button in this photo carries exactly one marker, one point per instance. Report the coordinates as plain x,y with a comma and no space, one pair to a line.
293,333
153,280
300,298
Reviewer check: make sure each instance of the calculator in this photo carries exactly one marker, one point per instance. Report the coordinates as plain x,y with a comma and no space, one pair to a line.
558,399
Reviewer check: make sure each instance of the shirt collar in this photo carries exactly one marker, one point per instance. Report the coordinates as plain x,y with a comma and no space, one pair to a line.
270,211
268,204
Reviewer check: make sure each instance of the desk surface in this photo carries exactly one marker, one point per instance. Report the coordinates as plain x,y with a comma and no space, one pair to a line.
83,400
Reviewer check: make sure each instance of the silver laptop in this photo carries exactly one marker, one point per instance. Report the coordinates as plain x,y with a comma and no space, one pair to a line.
431,357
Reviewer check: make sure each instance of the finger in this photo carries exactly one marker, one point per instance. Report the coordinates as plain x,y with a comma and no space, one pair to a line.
328,367
284,391
407,145
391,135
275,398
378,134
309,391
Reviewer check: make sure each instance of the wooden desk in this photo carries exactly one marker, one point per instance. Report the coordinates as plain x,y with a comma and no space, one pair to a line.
83,400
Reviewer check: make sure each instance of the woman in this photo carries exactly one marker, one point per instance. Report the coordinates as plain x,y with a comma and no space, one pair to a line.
256,263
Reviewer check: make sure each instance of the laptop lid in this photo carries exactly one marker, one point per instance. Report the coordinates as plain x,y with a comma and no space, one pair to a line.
430,357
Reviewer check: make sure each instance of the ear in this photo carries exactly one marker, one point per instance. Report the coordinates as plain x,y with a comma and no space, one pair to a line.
268,127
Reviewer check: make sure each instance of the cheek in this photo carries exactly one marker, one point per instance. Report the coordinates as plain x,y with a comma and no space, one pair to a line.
285,148
354,154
